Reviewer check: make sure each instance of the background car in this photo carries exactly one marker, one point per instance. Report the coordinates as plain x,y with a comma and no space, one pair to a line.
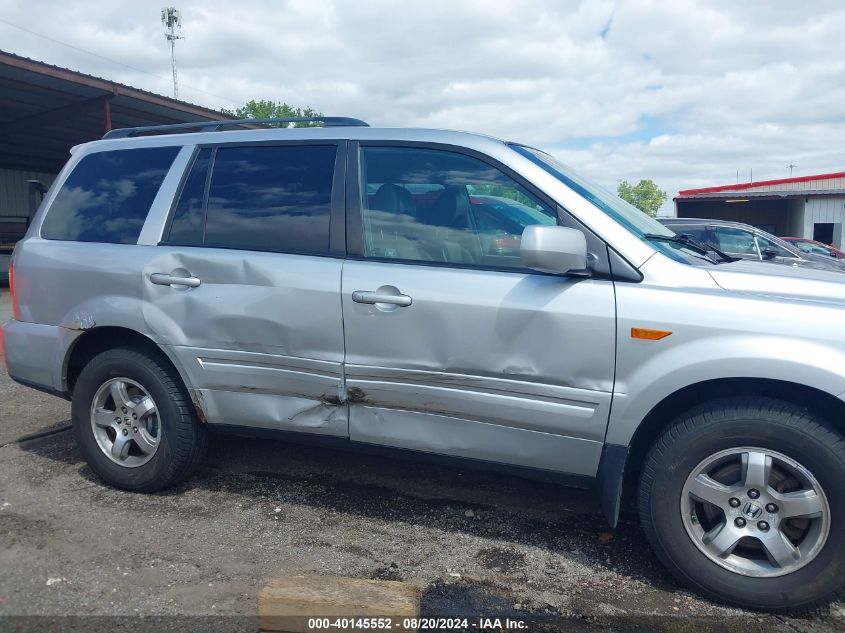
813,247
747,242
501,220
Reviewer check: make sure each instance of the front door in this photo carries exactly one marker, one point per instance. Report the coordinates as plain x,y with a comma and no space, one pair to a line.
244,288
452,346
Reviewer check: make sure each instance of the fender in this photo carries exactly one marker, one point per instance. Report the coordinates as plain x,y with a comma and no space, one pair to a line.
667,370
807,363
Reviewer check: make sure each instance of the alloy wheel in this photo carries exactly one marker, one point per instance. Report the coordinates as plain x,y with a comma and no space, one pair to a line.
125,422
755,512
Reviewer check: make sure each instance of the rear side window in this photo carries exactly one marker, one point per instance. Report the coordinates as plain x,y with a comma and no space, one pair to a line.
269,198
107,196
187,219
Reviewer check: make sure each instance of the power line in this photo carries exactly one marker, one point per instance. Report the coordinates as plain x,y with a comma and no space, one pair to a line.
113,61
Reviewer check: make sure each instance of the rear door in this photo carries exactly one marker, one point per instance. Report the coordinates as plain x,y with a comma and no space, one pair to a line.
244,285
451,345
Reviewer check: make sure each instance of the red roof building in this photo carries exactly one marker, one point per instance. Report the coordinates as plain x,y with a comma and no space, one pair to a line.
803,206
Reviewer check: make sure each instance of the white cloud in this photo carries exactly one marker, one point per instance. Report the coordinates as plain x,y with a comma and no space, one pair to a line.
684,92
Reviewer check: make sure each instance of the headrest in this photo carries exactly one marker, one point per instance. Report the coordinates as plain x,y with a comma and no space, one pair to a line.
394,199
451,208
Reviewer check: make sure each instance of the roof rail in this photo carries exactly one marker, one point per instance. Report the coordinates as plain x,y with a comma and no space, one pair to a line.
215,126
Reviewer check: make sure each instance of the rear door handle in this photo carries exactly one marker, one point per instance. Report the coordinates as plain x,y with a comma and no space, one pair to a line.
368,296
164,279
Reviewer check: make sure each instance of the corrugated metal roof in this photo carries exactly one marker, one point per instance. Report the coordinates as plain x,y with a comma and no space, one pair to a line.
177,103
45,110
727,195
798,183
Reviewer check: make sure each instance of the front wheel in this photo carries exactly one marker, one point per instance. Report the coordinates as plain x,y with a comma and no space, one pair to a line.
744,500
134,422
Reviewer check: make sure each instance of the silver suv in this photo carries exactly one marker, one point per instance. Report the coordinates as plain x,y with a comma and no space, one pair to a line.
447,293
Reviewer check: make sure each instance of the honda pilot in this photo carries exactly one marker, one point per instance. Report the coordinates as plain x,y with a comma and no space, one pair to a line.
446,293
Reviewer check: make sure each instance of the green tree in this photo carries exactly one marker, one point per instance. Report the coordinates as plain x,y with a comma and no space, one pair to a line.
645,195
265,109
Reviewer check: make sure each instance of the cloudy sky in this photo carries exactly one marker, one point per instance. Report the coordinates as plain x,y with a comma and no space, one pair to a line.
684,92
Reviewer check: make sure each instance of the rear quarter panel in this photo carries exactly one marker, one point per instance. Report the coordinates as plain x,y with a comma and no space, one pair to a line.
74,287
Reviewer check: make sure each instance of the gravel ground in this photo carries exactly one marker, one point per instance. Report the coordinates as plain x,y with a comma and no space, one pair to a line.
476,543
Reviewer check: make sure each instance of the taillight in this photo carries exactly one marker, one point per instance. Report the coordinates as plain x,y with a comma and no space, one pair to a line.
16,312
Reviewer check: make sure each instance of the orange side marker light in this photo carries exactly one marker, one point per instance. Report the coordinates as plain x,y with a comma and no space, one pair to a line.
649,335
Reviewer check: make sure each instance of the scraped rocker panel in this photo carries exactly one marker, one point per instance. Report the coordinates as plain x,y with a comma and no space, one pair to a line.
473,439
267,391
521,404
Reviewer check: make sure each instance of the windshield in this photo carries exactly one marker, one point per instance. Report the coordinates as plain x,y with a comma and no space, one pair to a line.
640,224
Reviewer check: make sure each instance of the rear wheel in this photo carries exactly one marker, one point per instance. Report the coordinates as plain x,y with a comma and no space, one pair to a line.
744,500
125,422
134,422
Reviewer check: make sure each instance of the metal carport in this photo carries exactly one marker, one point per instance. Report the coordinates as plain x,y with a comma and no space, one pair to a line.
45,110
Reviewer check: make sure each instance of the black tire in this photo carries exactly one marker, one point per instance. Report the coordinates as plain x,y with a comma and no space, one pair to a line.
733,423
182,441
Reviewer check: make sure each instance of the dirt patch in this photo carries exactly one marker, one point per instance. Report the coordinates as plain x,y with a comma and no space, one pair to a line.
17,529
501,559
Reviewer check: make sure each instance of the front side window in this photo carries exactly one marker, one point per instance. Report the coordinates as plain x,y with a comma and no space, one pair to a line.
107,196
766,244
440,206
735,241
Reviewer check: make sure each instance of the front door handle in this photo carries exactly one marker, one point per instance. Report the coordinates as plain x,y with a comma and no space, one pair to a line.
165,279
368,296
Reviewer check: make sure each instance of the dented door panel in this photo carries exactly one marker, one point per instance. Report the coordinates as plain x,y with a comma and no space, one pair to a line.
272,411
261,337
526,359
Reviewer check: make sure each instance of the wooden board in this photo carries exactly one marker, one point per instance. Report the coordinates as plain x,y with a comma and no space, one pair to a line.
286,604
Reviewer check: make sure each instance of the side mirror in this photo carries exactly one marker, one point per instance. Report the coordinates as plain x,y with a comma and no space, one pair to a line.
553,249
769,253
